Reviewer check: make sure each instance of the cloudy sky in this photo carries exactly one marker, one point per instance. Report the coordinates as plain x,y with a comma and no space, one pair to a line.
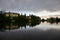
37,7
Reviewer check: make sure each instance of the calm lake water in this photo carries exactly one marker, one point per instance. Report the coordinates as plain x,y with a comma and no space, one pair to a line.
43,31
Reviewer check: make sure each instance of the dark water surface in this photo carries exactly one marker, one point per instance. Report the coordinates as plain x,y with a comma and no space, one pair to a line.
42,31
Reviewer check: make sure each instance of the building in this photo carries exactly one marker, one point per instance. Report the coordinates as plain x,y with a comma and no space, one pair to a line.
11,14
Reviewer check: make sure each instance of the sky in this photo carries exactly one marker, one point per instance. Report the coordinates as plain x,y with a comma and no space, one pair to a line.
36,7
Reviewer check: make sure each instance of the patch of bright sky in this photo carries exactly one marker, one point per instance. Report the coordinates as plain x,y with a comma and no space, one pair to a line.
44,13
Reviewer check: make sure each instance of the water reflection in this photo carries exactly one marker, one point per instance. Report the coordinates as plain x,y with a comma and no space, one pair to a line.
36,25
45,26
11,26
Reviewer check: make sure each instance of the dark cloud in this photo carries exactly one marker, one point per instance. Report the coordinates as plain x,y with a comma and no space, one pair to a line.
30,5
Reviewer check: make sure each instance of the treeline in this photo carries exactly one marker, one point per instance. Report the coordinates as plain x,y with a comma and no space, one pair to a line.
19,19
24,19
51,20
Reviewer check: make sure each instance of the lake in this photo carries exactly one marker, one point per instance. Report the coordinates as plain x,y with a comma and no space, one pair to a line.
41,31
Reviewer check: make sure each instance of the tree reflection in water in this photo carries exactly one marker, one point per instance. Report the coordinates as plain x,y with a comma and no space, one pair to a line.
11,26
